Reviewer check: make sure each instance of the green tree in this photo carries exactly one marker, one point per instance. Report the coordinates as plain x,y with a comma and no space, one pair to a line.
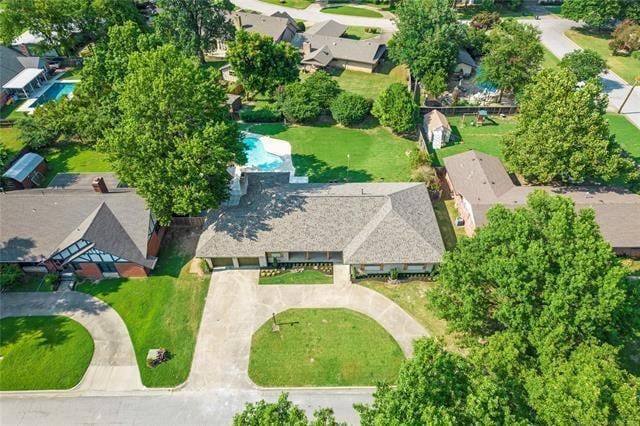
563,134
349,108
625,38
596,13
514,56
297,103
260,64
4,156
585,64
195,25
282,413
484,20
519,273
428,37
322,88
395,108
48,124
174,140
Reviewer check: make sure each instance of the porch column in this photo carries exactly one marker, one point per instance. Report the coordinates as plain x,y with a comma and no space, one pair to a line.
236,264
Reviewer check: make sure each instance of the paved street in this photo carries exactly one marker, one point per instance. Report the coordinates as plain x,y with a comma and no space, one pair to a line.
113,366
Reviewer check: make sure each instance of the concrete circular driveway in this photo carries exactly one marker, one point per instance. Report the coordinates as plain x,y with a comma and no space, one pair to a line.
237,306
113,366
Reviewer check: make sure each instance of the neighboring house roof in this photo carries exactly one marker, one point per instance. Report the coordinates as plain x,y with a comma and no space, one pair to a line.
10,64
435,119
364,51
483,181
321,57
271,26
329,28
368,223
283,14
29,37
37,223
232,99
465,58
24,166
23,78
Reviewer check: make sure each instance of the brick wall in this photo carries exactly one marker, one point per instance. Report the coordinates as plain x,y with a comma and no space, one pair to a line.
153,246
131,270
88,270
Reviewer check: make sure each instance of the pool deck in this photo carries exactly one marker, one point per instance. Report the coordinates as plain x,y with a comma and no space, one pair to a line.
28,105
280,148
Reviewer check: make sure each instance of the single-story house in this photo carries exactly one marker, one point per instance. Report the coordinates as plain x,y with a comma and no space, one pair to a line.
19,74
279,26
465,64
320,51
478,181
373,227
83,223
438,128
328,28
26,172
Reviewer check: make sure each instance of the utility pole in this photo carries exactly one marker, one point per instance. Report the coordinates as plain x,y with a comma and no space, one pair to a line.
635,83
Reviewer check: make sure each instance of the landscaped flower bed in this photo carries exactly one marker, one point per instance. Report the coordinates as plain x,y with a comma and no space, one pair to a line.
298,273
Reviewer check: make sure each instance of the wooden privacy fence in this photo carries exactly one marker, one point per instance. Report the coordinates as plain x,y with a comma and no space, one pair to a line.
188,222
460,110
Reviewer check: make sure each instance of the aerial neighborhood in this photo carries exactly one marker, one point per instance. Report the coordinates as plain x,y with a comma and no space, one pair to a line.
299,212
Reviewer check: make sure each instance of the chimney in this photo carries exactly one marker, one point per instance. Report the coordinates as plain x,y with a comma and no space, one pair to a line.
237,21
306,48
99,185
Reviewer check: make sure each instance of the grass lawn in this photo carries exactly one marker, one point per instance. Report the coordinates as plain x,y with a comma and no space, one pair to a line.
370,85
446,214
358,33
321,151
504,11
550,60
216,63
484,139
296,4
625,66
162,310
8,112
49,352
10,137
412,297
74,158
352,11
73,74
323,347
308,276
627,135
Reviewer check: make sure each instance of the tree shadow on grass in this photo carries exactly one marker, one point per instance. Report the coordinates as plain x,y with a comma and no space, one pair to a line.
321,171
51,330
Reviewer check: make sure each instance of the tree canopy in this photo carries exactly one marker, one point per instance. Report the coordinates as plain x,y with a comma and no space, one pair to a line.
260,64
514,55
563,133
594,13
282,413
305,100
585,64
395,108
174,139
428,37
195,25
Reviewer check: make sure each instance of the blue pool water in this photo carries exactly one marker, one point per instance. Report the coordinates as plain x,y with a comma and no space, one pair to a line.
258,157
55,92
485,86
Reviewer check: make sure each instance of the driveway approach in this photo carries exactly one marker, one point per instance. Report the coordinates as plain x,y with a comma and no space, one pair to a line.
237,306
113,366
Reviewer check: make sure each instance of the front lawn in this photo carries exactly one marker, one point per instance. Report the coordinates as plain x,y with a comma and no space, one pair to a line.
625,66
352,11
48,352
412,297
323,347
550,60
370,85
321,151
308,276
627,135
160,311
296,4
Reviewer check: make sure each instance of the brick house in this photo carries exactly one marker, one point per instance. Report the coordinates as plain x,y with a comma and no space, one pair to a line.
79,223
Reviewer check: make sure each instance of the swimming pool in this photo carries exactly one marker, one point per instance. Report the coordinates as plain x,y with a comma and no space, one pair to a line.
56,92
258,157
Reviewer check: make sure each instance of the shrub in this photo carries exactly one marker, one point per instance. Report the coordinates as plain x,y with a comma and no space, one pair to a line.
585,64
626,37
322,88
484,20
262,115
393,274
4,156
296,103
349,108
52,280
418,157
395,108
10,275
301,26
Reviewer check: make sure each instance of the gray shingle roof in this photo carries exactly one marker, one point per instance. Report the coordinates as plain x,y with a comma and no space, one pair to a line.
320,57
465,58
368,222
36,223
329,28
483,181
10,64
365,51
272,26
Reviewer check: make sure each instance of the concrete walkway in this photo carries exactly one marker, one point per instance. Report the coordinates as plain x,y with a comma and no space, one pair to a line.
113,366
237,306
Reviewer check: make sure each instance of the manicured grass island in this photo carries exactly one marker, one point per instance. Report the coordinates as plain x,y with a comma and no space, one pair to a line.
352,11
160,311
308,276
323,347
43,352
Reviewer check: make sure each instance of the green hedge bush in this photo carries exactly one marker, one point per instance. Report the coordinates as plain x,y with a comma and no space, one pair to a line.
349,108
262,115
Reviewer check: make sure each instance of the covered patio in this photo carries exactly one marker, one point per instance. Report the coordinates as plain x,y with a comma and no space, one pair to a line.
26,82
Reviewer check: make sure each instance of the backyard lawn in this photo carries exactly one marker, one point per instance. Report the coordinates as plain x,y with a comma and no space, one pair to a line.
48,352
296,4
321,152
323,347
8,112
370,85
625,66
10,137
74,158
412,297
358,33
160,311
352,11
72,74
308,276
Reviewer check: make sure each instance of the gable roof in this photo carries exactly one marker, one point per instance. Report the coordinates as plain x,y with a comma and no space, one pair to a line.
368,222
36,223
10,64
465,58
365,51
321,56
24,166
435,119
483,181
329,28
271,26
